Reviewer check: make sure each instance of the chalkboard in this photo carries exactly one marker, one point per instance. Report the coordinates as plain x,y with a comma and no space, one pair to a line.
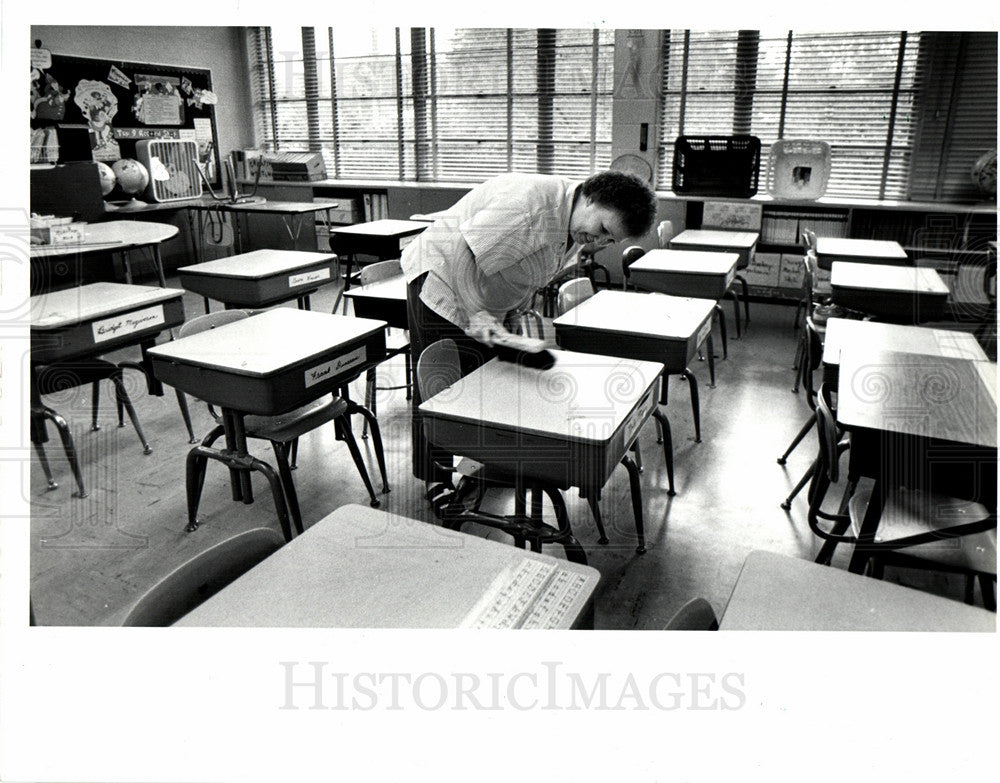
93,109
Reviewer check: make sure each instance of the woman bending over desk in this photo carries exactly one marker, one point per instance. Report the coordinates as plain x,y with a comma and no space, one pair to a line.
486,256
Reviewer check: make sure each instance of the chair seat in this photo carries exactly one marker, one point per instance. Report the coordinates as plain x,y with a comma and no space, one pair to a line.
977,552
913,512
289,426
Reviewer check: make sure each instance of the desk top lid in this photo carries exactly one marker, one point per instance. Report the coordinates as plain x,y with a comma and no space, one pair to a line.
638,313
70,306
686,262
390,288
883,277
259,264
267,342
360,567
859,248
716,238
780,593
382,228
944,397
583,397
844,333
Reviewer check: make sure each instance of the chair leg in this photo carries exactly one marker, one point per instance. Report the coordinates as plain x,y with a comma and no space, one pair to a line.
186,415
787,503
347,435
989,593
376,439
720,318
668,448
695,405
409,375
67,441
810,423
369,399
121,395
574,552
288,485
595,509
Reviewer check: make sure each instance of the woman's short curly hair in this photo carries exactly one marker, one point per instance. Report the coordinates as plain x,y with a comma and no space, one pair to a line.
628,195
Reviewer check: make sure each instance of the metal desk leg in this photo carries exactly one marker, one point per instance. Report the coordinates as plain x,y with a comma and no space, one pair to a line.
861,554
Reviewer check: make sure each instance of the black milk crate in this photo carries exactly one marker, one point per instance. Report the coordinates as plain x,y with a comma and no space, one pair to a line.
716,165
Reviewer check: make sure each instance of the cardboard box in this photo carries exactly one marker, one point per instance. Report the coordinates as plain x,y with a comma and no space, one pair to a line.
65,234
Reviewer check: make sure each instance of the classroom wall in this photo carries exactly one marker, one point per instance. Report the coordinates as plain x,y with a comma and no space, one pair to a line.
220,49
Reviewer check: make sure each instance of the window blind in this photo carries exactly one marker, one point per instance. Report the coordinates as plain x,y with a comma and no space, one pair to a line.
443,104
854,90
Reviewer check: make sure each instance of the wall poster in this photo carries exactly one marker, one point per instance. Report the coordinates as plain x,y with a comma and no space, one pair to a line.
92,109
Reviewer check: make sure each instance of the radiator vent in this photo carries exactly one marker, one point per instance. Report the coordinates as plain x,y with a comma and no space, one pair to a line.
173,168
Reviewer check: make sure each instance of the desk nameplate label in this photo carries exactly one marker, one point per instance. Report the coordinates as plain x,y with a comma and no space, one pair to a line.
331,369
638,417
703,332
305,278
128,323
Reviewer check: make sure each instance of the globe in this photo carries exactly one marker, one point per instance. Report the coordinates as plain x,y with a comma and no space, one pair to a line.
132,175
108,178
984,174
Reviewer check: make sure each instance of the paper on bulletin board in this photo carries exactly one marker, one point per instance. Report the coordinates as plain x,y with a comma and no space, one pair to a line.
206,141
731,215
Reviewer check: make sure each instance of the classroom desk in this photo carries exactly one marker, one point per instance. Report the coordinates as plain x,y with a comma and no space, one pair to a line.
780,593
869,251
846,334
697,273
260,278
903,294
112,236
267,365
740,242
920,421
384,300
363,568
384,239
293,215
566,426
648,326
91,320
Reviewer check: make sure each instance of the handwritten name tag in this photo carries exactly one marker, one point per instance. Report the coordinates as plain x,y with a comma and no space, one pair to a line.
128,323
309,277
703,332
639,415
332,369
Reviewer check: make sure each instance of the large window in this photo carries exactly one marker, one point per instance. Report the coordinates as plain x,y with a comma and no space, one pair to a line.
905,114
436,104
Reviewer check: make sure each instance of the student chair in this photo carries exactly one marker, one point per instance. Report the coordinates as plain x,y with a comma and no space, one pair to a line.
194,582
696,615
62,376
813,353
283,431
573,292
397,342
438,367
917,528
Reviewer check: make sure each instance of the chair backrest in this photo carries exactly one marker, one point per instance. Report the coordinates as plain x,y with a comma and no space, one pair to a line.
572,292
630,255
438,368
201,577
203,323
381,270
826,428
812,360
664,233
696,615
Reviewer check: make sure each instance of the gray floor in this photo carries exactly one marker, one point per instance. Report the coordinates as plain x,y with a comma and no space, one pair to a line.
91,557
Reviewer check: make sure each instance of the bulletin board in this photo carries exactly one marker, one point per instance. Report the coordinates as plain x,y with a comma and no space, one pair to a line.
93,109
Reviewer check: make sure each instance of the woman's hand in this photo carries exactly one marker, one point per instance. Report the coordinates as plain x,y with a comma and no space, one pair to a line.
483,326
